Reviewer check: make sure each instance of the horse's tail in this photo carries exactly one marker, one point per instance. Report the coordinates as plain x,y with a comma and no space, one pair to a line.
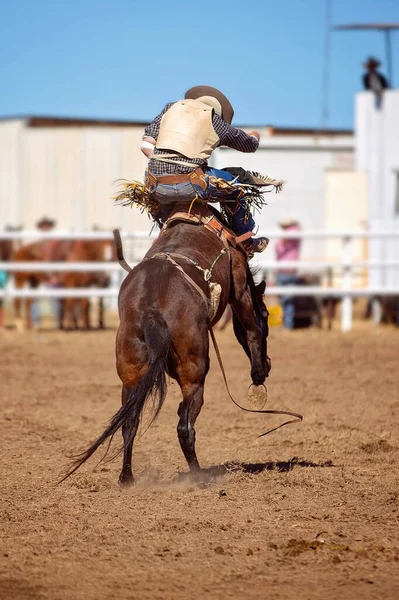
152,384
119,251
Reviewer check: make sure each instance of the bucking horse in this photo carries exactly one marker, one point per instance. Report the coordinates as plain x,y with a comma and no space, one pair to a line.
168,305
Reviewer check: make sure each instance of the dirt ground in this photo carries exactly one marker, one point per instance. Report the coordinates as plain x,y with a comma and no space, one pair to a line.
309,512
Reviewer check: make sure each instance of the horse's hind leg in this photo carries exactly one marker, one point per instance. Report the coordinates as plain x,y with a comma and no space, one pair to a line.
101,324
189,409
19,281
61,314
129,431
191,380
84,306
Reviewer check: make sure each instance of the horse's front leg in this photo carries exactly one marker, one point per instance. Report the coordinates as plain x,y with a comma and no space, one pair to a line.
61,314
68,313
251,330
101,324
84,309
19,282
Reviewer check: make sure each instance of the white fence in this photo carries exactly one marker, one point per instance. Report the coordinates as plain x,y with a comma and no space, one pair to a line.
138,243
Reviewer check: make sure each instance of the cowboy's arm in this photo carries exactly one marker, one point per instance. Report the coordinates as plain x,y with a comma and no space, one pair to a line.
151,133
235,138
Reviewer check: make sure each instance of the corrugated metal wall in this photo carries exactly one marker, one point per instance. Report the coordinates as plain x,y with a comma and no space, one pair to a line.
10,181
69,174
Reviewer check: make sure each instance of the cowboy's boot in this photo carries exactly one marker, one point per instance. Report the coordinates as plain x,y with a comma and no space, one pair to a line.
255,245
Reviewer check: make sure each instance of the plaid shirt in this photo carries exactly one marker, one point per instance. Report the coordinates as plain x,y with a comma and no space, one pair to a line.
228,136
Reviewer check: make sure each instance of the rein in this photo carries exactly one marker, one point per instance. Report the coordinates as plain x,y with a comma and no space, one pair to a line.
207,276
270,411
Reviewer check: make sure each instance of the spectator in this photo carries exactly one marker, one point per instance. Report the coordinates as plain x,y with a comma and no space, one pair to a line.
3,283
288,250
47,246
374,81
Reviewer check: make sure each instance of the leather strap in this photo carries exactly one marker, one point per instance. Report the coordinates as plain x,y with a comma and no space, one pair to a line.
195,177
200,214
297,417
216,226
172,179
245,236
167,256
183,216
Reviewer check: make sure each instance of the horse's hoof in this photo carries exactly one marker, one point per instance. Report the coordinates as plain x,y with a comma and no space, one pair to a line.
126,481
257,396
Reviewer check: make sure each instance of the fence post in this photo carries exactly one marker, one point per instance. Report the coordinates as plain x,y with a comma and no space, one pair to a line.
376,311
346,316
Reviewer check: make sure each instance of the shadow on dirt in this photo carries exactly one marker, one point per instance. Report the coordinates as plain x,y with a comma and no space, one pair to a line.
211,474
255,468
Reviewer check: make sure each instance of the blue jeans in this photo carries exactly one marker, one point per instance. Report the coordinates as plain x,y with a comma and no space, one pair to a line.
241,220
287,302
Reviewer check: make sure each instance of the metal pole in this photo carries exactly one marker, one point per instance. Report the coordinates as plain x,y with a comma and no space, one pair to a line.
388,49
346,317
326,66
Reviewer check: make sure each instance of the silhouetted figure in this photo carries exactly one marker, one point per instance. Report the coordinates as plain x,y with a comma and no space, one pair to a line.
288,249
374,81
47,247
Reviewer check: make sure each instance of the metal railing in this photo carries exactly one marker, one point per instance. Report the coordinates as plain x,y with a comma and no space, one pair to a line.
347,265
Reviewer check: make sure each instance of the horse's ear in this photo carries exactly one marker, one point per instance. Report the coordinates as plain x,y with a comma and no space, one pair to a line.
260,289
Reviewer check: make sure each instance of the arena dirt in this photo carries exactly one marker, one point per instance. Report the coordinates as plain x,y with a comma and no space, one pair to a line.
309,512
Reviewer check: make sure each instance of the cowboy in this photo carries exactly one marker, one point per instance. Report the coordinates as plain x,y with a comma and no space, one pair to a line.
179,142
288,249
373,80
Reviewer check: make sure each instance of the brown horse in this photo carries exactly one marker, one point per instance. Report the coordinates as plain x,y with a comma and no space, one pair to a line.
75,312
63,251
7,246
46,251
164,329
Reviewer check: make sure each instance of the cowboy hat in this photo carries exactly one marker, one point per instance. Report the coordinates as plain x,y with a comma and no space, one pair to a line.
371,62
288,222
199,91
45,222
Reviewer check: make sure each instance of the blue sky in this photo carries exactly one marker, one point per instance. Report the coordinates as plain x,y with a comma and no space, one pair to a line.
124,59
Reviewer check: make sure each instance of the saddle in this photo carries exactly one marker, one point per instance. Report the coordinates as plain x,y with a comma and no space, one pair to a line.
207,216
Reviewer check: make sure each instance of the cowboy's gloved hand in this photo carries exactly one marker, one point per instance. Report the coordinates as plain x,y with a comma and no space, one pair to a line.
255,134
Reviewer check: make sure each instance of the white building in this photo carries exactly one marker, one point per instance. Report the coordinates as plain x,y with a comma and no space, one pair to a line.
377,156
68,169
304,159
